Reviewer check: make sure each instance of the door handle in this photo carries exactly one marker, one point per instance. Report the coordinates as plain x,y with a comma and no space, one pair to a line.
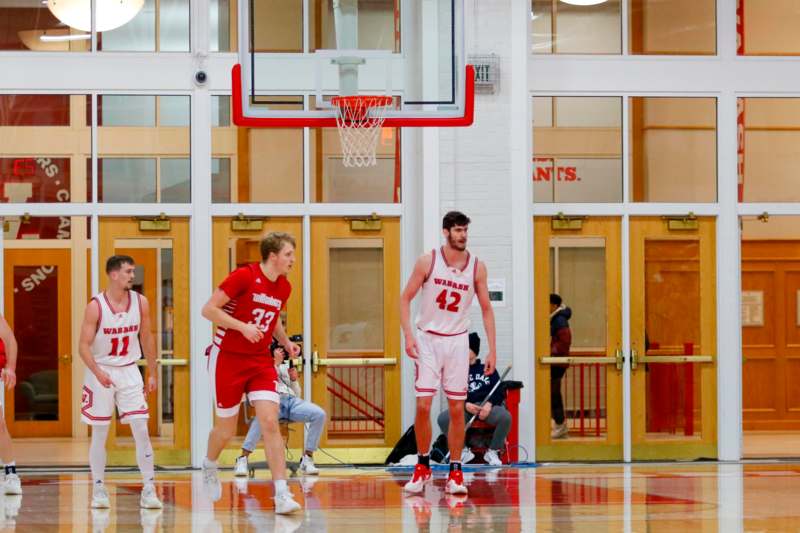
314,361
634,359
66,359
620,359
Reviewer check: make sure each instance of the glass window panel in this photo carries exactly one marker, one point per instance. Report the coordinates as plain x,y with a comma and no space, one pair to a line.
167,336
138,35
152,152
769,150
126,180
277,25
673,149
220,28
577,149
377,25
676,27
672,322
564,28
175,182
220,111
50,131
769,27
356,299
173,25
578,275
265,164
173,111
125,110
220,180
32,26
171,17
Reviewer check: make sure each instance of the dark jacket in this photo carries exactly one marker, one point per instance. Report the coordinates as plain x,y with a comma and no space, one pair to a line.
480,385
560,334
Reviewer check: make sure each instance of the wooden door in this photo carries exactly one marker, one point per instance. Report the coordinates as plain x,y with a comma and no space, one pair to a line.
584,266
356,357
673,339
37,304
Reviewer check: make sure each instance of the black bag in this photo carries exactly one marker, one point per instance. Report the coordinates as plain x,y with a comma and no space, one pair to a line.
439,449
405,446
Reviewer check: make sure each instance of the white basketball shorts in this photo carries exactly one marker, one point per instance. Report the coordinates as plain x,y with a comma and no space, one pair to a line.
127,393
443,360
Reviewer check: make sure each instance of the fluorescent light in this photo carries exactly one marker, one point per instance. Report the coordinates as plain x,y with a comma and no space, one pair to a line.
62,38
583,2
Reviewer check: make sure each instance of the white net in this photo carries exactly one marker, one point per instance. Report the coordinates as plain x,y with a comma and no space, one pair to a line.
359,121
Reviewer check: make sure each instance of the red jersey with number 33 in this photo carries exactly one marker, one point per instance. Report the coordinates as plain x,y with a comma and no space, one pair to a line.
254,299
446,296
116,342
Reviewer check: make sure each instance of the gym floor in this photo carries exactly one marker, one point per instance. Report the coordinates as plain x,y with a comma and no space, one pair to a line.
747,496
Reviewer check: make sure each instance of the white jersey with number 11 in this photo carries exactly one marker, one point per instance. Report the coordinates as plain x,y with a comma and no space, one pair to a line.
116,342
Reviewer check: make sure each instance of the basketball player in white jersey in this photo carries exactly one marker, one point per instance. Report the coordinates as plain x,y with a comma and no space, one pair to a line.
114,334
449,278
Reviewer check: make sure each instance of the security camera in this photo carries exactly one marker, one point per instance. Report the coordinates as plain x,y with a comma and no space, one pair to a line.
200,77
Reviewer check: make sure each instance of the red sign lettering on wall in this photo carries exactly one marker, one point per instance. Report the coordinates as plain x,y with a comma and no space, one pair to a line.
36,180
544,169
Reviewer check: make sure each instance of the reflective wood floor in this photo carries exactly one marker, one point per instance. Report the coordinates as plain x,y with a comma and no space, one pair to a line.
594,498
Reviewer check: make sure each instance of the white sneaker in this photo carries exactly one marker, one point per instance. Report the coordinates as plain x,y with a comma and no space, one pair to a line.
100,519
241,484
12,484
467,456
100,498
240,469
211,480
149,498
561,431
492,458
307,466
285,504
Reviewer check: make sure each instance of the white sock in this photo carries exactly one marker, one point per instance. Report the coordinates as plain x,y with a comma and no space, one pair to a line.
144,450
208,463
97,453
280,486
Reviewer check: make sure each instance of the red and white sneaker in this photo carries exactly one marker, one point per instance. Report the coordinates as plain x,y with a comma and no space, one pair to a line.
422,475
455,483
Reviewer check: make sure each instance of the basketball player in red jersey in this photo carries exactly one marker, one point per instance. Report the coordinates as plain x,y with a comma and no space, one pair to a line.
114,335
449,278
8,364
246,310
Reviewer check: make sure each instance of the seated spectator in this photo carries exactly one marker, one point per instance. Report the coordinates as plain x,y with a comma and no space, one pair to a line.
292,408
493,412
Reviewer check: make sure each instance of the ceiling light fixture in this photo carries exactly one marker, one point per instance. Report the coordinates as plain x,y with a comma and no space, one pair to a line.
62,38
584,2
110,13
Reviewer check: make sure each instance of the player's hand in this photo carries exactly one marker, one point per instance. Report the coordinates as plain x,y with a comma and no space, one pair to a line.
412,349
251,333
491,364
485,411
471,408
9,377
293,374
292,349
152,384
103,378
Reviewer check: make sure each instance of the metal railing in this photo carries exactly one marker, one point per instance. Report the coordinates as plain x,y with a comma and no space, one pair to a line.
356,400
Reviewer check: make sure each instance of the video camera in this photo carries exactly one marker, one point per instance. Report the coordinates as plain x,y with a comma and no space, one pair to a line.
297,339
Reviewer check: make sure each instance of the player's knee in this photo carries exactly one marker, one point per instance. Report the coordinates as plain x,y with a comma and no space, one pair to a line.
423,408
269,424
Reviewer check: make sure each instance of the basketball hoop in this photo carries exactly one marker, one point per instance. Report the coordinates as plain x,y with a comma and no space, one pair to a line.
359,120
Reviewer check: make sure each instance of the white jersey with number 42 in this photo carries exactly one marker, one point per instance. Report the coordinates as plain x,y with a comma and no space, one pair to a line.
116,342
446,296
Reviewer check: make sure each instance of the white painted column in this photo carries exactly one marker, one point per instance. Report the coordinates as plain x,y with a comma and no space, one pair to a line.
729,329
200,252
522,289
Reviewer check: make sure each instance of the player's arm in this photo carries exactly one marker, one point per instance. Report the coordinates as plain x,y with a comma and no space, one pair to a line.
10,342
415,282
148,341
213,311
91,317
482,291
